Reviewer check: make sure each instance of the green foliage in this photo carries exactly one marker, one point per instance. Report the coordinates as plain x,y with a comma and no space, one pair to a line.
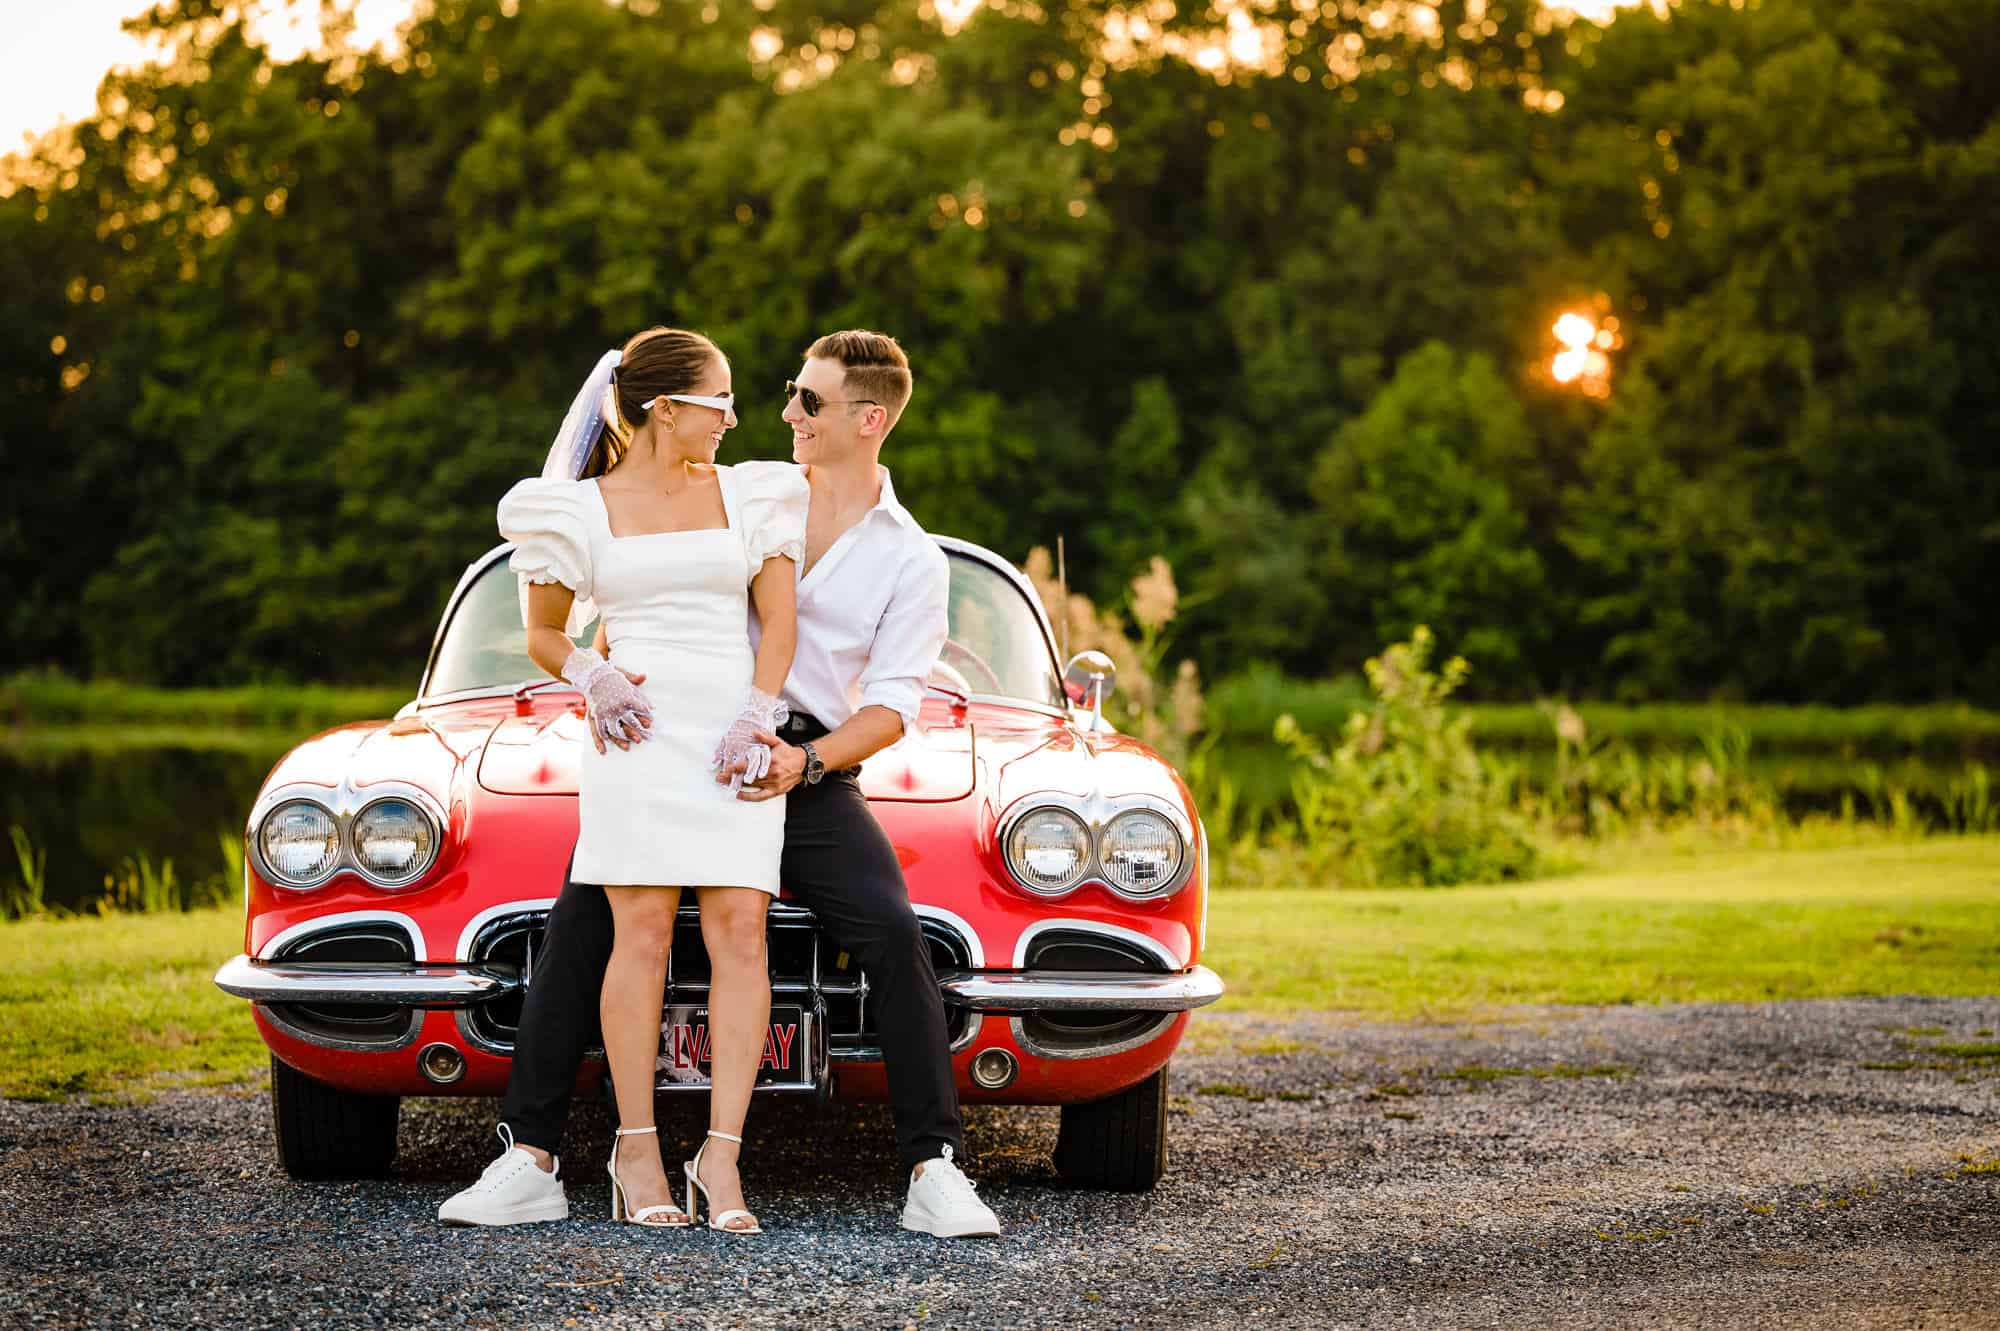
292,328
1419,526
1404,799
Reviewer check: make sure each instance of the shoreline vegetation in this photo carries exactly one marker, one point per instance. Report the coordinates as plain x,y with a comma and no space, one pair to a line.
1338,784
1244,707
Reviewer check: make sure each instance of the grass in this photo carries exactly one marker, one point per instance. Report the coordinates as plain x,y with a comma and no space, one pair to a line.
1724,926
121,1005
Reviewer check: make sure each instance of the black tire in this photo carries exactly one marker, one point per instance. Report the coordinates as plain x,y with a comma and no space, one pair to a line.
327,1133
1119,1143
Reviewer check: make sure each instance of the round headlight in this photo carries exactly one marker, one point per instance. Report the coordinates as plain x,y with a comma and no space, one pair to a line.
1142,853
394,841
300,843
1048,850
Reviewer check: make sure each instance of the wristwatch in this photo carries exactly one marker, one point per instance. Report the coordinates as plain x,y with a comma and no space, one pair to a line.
815,769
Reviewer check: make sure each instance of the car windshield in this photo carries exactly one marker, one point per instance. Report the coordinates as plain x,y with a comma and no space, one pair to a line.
996,645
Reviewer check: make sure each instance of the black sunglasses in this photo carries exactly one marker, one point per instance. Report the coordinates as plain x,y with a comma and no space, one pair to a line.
812,401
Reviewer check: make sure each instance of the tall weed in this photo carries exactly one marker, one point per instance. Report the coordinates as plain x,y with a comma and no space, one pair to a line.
25,897
1403,798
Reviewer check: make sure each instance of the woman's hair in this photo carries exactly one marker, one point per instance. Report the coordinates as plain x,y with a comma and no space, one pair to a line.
655,361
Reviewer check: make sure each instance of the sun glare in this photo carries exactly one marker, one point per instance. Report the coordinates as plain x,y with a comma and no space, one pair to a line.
1584,362
54,53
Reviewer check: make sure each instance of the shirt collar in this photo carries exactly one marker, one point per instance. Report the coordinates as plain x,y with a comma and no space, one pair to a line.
887,503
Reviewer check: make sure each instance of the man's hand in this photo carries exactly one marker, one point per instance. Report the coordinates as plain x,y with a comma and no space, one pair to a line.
628,729
788,767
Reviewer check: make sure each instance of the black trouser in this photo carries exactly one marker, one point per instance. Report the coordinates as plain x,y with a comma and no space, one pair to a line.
839,864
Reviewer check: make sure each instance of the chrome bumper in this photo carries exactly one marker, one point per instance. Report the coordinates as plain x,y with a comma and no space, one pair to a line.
454,986
408,985
1072,991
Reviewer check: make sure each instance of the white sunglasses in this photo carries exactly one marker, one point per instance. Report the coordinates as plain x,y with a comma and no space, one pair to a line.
725,404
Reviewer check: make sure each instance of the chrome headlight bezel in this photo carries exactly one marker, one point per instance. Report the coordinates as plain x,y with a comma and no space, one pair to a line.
1097,813
345,804
296,882
420,866
1084,862
1161,886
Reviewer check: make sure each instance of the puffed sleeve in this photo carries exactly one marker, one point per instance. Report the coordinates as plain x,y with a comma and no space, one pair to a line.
771,499
550,527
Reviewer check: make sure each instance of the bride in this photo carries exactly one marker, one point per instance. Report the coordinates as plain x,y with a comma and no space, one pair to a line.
670,549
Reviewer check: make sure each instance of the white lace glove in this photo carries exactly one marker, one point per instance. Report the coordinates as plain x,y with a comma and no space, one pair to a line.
618,713
739,744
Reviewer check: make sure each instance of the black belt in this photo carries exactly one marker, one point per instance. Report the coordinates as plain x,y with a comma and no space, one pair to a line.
800,728
803,728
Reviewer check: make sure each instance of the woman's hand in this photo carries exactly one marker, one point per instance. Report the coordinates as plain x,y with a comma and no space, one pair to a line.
740,753
613,706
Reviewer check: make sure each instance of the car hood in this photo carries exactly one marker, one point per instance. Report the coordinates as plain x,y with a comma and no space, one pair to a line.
432,750
539,755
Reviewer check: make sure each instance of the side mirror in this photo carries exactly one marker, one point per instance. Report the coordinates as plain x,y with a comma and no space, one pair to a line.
1089,679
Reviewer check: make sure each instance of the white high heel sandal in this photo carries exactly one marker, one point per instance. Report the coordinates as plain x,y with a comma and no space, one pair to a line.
715,1221
676,1218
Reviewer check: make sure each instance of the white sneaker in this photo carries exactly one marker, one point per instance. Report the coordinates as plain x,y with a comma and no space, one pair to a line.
514,1190
942,1202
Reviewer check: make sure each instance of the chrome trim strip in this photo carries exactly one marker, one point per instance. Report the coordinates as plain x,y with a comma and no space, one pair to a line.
472,574
322,923
467,935
323,1041
417,985
421,985
1152,947
1035,991
462,1018
969,936
1007,569
1130,1042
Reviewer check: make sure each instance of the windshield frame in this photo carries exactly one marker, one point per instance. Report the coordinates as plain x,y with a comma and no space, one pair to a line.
951,545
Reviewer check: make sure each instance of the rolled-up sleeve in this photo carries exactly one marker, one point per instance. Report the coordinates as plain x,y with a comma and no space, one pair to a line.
910,636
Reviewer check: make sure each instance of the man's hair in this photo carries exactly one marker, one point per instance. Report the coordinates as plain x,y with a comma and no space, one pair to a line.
876,367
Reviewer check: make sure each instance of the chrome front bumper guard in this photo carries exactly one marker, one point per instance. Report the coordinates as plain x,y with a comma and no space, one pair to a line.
455,986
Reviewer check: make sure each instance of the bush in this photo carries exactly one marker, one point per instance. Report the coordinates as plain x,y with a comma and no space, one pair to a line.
1403,799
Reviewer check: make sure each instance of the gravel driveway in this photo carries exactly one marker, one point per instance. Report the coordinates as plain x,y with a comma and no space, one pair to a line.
1797,1164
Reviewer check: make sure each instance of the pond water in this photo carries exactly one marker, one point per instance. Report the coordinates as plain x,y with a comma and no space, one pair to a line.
95,801
92,802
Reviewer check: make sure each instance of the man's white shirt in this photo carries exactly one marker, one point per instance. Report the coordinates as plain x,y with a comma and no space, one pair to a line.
873,615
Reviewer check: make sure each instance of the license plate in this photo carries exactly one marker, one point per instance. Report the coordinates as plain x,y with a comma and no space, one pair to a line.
685,1048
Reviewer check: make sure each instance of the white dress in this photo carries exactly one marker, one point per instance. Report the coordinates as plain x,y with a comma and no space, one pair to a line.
676,607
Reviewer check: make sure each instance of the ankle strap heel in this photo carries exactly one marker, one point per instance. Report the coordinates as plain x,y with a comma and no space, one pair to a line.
665,1216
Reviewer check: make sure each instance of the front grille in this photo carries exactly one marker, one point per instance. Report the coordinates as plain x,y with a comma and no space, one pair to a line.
1082,1032
797,953
1081,950
348,1025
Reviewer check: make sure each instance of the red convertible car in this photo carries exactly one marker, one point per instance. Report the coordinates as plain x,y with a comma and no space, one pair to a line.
399,873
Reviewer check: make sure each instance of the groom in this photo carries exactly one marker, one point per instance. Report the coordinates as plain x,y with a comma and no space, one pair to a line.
872,618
